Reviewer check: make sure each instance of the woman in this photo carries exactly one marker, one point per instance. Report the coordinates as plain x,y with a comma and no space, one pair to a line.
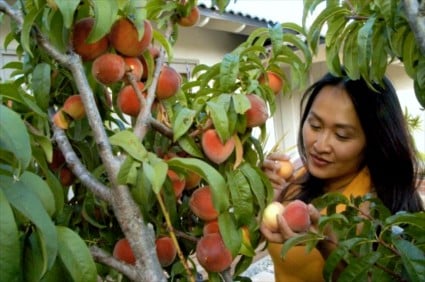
352,140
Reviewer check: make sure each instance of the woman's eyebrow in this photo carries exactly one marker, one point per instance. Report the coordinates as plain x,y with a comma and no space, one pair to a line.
338,125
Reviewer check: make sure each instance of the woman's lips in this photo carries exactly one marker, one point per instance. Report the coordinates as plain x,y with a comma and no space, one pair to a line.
318,161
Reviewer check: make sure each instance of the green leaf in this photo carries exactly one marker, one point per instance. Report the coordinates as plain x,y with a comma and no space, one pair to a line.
258,189
75,255
410,51
364,39
296,241
183,122
156,171
58,35
229,71
68,8
232,237
41,85
276,38
218,112
358,268
10,258
35,264
105,13
413,259
189,145
241,197
212,176
241,103
129,142
128,172
402,218
14,136
29,205
26,29
37,185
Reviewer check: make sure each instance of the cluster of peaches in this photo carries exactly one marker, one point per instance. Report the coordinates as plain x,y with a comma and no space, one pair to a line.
117,58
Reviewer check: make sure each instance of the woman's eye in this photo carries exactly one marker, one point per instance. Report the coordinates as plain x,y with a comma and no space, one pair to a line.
314,126
341,136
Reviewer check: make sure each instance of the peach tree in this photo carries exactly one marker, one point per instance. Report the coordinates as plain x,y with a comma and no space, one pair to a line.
113,163
114,166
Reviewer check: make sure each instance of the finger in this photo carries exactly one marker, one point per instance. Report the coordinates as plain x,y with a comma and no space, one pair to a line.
278,156
314,214
284,228
271,236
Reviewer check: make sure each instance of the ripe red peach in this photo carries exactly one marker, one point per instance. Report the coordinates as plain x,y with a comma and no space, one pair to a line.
191,19
297,216
74,107
169,82
127,100
108,68
214,149
273,80
201,204
58,159
165,250
122,251
258,113
135,67
192,180
212,254
80,33
66,176
178,182
211,227
124,37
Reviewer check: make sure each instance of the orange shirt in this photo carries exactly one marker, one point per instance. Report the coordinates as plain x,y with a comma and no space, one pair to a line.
300,266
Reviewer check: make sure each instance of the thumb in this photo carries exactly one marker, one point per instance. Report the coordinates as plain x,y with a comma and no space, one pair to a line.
314,214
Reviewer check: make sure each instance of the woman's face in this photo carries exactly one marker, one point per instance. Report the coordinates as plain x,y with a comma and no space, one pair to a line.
333,138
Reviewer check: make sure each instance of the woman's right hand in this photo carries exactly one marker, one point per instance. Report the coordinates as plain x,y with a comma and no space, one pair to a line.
271,166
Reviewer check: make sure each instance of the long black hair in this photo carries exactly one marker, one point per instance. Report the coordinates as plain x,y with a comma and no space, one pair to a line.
390,154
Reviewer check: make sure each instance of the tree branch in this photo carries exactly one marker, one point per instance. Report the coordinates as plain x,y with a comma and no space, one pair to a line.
97,188
101,256
416,18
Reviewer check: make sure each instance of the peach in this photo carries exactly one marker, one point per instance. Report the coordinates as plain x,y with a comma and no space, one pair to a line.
74,107
201,204
127,100
66,176
286,169
80,33
192,180
215,150
124,37
211,227
108,68
258,113
297,216
178,182
191,19
169,82
273,80
212,254
122,251
269,215
58,159
60,119
165,250
133,65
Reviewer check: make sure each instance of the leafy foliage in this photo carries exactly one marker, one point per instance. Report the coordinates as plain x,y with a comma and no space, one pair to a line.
365,37
377,246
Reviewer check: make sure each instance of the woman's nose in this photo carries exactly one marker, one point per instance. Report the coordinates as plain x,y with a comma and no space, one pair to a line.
322,142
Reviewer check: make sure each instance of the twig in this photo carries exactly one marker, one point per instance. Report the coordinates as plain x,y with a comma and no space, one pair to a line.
101,256
173,237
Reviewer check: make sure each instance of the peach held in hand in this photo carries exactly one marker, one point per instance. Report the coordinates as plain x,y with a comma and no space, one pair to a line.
269,215
295,213
297,216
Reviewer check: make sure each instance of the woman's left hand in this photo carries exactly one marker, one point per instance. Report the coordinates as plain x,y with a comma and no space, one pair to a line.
285,232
